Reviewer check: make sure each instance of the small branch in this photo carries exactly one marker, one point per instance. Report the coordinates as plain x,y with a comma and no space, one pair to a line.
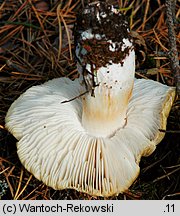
166,175
171,195
80,95
155,163
173,54
169,131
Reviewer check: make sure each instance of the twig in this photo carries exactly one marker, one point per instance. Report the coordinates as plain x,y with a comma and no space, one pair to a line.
172,167
66,101
80,95
171,195
155,163
169,131
165,172
34,190
166,175
4,170
145,14
173,54
60,30
19,184
18,195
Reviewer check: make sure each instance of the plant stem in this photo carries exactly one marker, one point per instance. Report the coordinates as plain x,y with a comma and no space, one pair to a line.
173,54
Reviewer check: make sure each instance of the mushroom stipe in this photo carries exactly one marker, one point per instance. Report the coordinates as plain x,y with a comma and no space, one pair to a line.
94,142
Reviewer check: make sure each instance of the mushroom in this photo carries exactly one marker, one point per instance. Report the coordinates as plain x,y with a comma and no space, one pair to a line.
90,134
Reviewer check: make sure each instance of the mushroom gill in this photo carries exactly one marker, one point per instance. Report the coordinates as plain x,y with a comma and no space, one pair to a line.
93,143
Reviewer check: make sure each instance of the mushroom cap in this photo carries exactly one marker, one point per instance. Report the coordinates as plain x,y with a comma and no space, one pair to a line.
56,149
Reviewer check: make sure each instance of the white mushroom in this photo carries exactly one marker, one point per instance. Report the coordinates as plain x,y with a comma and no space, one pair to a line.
94,142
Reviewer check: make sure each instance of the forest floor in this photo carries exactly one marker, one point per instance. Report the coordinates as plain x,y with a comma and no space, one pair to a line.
36,44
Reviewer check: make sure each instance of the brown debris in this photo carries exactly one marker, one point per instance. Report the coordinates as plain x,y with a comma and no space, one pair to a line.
110,26
173,54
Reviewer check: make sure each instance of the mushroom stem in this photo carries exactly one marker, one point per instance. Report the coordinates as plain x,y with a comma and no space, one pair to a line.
104,111
106,62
